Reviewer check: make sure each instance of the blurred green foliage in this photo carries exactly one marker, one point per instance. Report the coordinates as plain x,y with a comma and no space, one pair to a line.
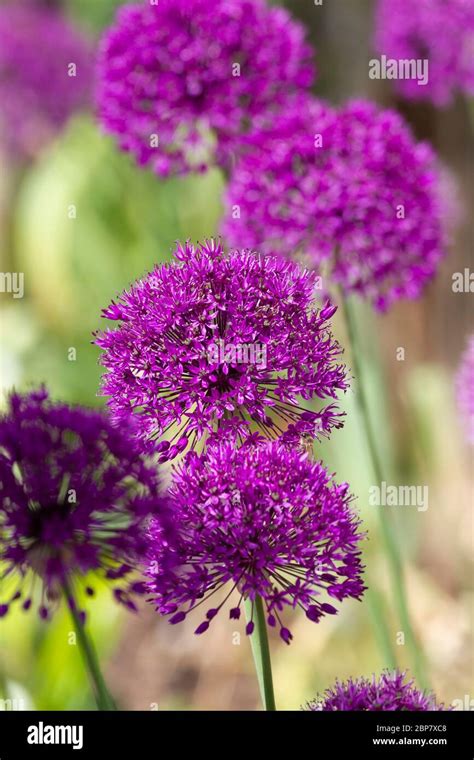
44,658
95,14
87,224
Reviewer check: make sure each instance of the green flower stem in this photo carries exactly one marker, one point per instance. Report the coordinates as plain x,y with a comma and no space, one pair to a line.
103,699
395,564
382,631
261,651
3,685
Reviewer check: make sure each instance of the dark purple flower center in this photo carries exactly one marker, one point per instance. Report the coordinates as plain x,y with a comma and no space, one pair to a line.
50,525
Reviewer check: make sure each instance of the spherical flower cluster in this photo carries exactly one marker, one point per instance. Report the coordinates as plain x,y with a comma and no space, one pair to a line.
440,32
262,521
465,389
351,190
391,691
181,81
223,346
45,75
75,500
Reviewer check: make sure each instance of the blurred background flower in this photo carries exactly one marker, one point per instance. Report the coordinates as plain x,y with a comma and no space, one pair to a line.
46,72
82,223
350,191
439,31
181,81
465,389
76,497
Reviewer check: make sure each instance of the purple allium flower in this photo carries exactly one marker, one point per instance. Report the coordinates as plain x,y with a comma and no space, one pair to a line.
220,345
39,87
439,31
261,520
350,190
391,691
75,501
181,81
465,389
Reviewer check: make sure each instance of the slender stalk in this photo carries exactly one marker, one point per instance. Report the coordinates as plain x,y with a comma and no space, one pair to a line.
3,685
382,631
103,699
394,560
261,651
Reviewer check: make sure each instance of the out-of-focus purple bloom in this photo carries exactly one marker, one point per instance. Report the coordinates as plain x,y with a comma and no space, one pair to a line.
439,31
41,3
45,75
391,691
220,345
262,521
352,191
465,389
181,81
75,501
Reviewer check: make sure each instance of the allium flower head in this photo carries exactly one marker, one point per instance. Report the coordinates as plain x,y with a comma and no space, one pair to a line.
351,190
220,345
391,691
178,76
438,31
262,520
75,499
465,389
39,87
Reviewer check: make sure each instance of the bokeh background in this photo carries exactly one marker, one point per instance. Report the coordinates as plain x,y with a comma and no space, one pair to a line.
127,220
